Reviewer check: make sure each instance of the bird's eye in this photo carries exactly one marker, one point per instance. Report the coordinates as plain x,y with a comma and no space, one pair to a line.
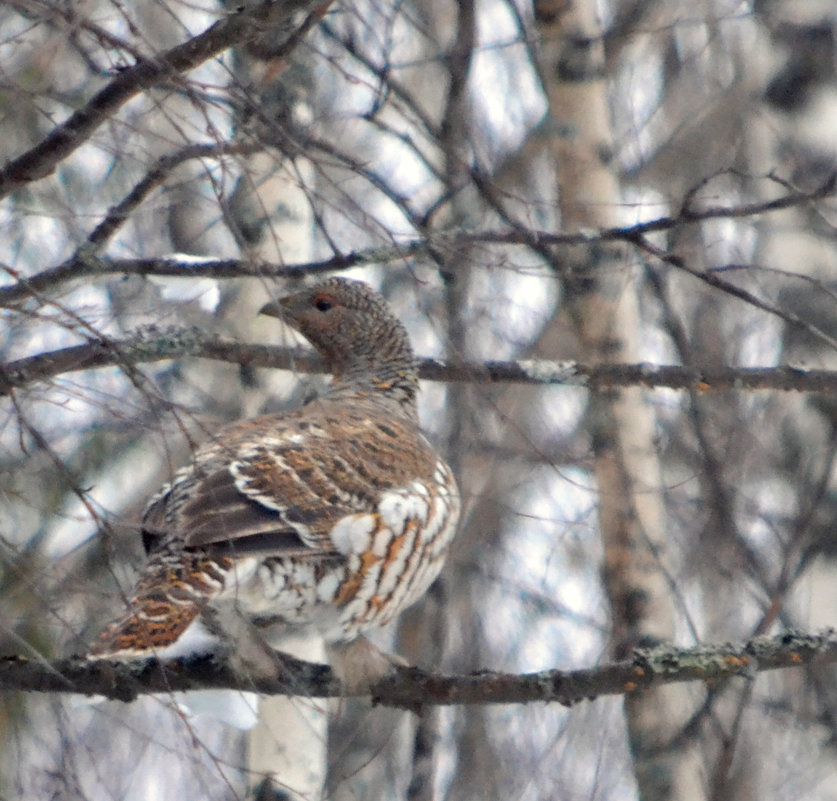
323,303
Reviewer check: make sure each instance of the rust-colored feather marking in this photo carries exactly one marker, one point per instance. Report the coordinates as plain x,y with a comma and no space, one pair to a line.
167,600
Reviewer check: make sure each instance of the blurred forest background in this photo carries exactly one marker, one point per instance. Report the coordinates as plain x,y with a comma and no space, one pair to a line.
611,181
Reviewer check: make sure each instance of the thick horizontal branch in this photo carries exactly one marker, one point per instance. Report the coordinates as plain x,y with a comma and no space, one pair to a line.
412,688
152,344
40,160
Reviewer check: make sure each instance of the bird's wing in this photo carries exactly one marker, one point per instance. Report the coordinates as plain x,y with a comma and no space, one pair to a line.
278,487
250,507
214,512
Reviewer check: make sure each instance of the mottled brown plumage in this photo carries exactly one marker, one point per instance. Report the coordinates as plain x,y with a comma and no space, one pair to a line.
333,517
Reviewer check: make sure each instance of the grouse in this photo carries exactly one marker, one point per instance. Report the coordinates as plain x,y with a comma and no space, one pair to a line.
331,518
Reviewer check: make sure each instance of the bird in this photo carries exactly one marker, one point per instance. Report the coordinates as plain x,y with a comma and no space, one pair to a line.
328,519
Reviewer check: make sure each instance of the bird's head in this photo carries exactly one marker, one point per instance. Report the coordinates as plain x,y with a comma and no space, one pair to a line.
350,324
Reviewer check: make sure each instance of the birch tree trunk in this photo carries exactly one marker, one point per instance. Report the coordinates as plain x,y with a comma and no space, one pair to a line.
601,289
271,215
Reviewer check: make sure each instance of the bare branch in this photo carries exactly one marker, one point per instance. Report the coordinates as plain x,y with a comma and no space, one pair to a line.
713,279
40,160
412,688
86,262
632,233
158,173
43,9
151,344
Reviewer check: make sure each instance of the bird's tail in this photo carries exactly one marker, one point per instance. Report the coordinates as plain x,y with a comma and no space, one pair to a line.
170,594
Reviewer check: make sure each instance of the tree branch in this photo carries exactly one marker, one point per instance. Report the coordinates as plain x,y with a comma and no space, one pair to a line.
155,177
412,688
151,344
40,160
87,262
713,279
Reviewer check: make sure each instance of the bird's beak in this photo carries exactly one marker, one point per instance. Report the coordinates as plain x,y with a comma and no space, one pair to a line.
273,309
